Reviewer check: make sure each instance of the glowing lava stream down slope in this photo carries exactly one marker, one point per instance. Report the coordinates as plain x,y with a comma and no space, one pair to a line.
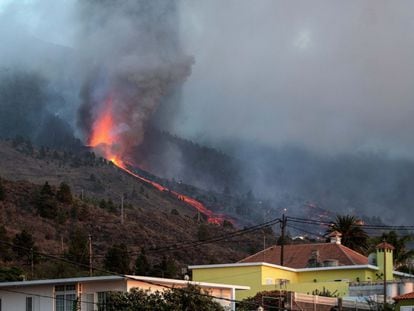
105,138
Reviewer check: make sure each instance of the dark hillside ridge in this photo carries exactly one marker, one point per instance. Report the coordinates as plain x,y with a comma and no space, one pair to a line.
153,219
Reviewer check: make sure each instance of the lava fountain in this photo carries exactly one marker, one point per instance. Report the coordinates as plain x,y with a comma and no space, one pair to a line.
105,139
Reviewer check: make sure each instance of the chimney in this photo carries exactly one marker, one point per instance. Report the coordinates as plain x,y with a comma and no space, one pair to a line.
336,237
385,260
313,260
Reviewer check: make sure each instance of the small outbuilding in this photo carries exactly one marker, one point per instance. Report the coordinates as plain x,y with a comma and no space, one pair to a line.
405,302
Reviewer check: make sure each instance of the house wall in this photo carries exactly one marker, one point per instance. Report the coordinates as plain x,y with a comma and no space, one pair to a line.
95,287
389,263
332,275
277,274
261,278
247,275
14,298
404,303
16,301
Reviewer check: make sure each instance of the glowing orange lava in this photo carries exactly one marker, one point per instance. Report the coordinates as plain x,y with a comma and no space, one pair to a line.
103,127
103,138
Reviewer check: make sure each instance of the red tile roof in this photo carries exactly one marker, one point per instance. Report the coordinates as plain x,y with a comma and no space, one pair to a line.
404,297
385,245
298,255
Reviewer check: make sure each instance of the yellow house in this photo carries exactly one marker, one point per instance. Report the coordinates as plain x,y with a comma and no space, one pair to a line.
307,268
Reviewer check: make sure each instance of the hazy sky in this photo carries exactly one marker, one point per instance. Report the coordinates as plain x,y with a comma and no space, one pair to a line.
333,75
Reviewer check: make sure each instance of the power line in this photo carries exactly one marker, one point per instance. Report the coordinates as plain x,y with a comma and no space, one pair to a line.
364,226
195,243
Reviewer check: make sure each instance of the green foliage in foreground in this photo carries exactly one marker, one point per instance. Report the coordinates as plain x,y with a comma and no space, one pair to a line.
190,298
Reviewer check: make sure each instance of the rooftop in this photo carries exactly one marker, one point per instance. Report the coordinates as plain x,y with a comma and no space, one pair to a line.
145,279
404,297
298,255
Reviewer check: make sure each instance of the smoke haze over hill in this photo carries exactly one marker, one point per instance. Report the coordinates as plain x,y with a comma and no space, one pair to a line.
313,98
333,76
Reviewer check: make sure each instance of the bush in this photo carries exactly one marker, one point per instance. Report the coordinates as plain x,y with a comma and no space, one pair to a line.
190,298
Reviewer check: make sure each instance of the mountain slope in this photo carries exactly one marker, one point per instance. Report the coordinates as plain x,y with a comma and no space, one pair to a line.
153,218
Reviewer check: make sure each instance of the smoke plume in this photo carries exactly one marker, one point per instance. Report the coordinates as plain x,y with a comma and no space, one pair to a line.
136,61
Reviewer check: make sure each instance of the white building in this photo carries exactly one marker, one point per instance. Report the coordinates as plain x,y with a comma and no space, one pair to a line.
61,294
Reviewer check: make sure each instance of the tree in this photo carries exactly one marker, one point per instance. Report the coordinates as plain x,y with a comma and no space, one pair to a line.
117,259
353,236
45,202
2,191
78,250
11,274
166,268
5,249
24,247
190,298
46,189
142,265
64,193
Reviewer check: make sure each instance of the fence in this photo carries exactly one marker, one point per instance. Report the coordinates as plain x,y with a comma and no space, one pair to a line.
305,302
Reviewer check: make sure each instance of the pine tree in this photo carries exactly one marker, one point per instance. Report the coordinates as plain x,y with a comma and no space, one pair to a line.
142,265
166,268
78,250
2,191
45,202
24,246
5,249
117,259
64,193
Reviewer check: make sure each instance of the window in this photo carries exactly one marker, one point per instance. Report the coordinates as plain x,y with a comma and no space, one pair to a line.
65,297
90,302
102,301
29,304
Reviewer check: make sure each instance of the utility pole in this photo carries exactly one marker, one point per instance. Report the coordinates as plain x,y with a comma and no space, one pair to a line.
90,255
32,263
282,238
122,209
61,245
385,274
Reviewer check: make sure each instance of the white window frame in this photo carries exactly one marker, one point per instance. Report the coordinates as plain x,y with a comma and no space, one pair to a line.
65,296
29,303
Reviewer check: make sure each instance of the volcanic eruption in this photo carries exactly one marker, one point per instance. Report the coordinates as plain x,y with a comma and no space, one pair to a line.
138,66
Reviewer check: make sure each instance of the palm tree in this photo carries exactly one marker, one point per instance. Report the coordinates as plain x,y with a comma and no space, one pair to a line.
353,236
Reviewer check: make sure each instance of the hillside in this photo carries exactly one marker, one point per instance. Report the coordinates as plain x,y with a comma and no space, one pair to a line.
152,218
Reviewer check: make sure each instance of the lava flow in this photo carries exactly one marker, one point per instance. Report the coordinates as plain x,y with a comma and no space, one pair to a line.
106,140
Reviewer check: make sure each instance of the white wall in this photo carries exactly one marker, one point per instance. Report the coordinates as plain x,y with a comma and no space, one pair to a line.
12,301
